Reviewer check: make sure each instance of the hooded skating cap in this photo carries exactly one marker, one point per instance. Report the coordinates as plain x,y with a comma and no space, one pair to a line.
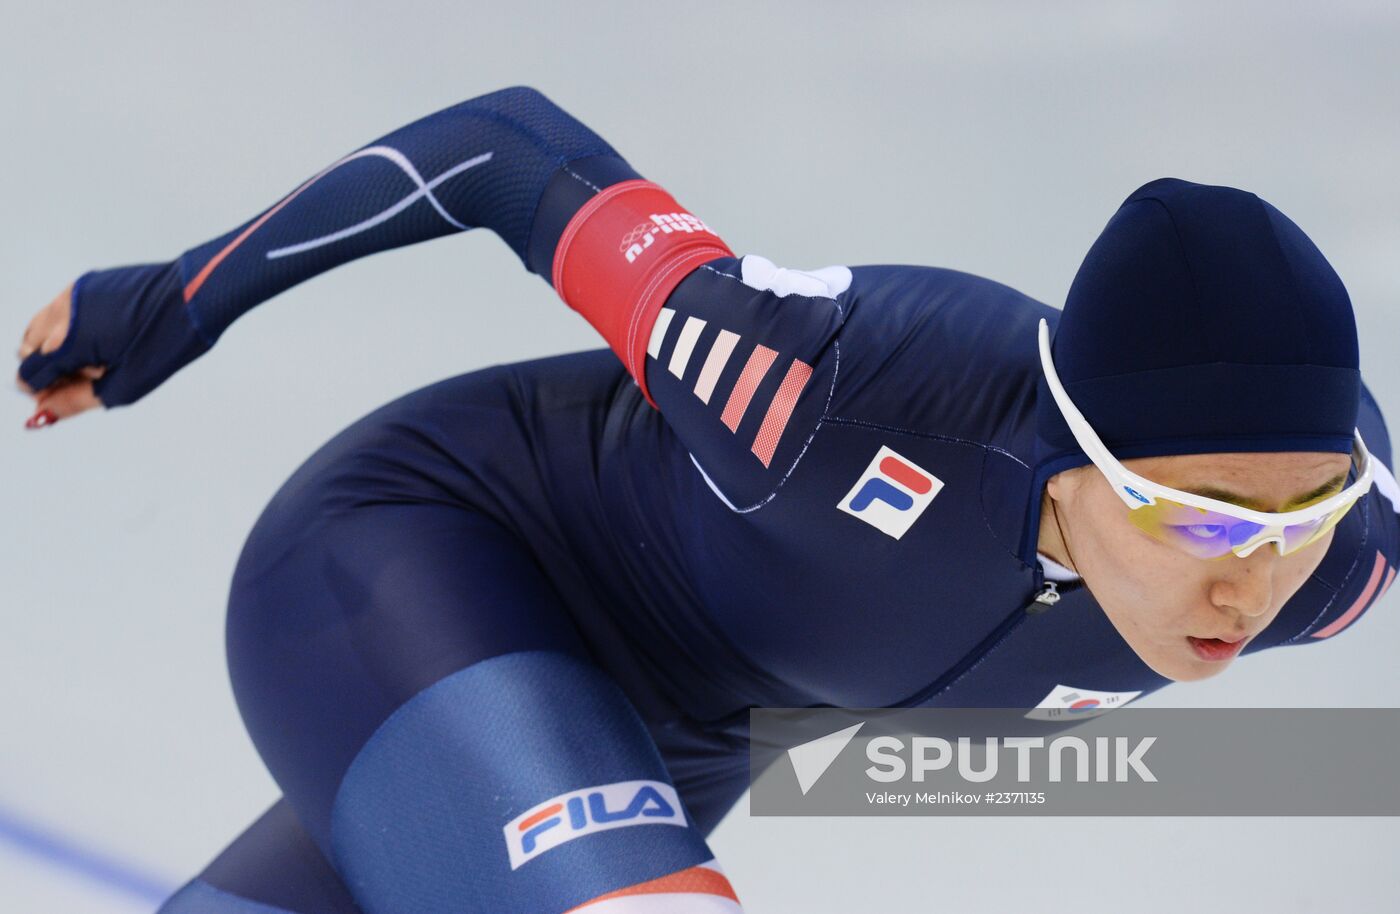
1202,320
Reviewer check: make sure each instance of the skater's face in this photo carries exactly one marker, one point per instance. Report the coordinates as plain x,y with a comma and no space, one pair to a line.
1169,606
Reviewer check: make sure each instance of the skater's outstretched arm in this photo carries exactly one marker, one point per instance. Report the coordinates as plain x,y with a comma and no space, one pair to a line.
510,161
739,356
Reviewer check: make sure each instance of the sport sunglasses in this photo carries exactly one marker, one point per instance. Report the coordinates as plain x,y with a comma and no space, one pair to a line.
1205,527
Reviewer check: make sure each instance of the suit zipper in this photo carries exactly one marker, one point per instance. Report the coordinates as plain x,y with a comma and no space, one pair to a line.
1045,595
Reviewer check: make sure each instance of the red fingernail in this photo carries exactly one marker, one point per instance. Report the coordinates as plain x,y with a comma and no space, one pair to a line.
40,419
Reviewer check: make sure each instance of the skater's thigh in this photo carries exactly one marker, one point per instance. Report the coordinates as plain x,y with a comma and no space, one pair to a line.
407,657
340,613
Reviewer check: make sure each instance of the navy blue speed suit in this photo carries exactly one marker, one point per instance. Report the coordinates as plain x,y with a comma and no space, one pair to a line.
498,621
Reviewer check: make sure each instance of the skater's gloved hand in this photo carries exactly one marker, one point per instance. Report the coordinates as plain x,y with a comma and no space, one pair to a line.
107,340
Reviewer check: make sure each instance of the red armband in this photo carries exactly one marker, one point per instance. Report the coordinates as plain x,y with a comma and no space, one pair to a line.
619,259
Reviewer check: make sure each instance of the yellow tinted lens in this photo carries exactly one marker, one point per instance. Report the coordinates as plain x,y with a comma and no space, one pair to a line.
1212,535
1194,531
1299,536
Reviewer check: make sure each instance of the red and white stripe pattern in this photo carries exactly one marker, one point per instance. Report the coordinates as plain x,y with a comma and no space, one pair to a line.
761,274
699,889
736,405
1381,577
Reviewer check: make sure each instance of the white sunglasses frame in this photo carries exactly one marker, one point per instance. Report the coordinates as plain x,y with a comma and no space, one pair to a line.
1139,492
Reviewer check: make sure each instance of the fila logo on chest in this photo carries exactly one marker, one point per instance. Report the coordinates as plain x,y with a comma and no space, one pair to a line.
891,493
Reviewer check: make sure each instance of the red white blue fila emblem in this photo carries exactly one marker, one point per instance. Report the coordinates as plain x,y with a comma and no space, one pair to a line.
891,493
593,809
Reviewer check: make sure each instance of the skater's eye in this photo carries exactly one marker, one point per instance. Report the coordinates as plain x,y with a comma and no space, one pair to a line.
1200,531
